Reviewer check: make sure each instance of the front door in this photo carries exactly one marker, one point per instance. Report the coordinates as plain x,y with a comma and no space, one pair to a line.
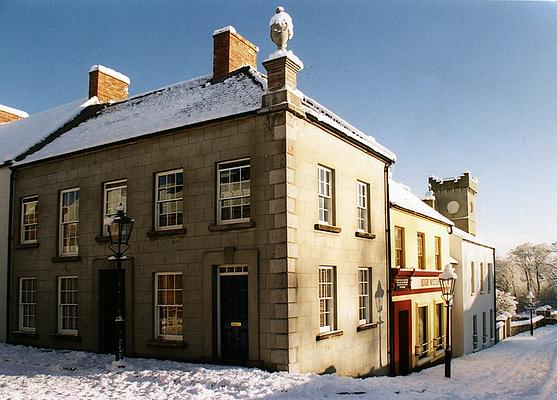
403,336
234,317
403,342
108,338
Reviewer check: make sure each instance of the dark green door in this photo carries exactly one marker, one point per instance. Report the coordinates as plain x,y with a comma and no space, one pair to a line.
234,317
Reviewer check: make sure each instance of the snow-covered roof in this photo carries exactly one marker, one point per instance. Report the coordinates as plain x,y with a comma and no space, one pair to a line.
183,104
471,238
13,111
18,136
401,196
313,108
178,105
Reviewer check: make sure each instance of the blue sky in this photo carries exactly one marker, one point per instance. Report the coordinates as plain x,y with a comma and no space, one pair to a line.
449,86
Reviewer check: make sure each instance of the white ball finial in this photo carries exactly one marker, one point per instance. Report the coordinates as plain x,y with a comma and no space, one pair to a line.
281,28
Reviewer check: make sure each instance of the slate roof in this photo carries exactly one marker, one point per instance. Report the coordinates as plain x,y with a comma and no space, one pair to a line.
180,105
18,136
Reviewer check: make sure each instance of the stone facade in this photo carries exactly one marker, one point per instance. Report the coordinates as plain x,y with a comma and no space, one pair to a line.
282,246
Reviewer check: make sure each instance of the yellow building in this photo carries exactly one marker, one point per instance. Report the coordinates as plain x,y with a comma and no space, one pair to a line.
419,252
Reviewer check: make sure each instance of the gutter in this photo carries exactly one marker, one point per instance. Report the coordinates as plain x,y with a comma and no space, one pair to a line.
494,300
8,298
390,315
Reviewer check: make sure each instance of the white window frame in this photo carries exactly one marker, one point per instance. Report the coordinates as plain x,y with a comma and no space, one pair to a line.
325,192
112,186
482,273
179,306
327,297
23,306
61,314
362,206
439,326
420,242
69,222
364,296
489,276
425,346
438,260
178,200
243,198
472,277
475,342
26,201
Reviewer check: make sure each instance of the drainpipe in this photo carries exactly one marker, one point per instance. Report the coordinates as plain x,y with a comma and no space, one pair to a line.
9,259
494,300
390,316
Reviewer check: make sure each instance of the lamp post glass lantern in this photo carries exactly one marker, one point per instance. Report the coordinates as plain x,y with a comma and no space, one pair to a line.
530,298
119,232
447,281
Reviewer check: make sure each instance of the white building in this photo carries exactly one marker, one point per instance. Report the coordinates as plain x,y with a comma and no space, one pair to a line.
474,304
474,301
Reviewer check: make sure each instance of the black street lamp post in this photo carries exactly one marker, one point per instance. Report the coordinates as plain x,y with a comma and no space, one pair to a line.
530,298
119,232
447,280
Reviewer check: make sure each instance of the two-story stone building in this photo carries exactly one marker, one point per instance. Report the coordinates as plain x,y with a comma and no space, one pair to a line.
255,241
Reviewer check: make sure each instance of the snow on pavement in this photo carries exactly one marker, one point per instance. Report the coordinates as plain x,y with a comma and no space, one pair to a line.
521,367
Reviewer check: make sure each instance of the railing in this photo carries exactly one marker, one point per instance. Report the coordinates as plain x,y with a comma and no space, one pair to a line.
439,342
422,350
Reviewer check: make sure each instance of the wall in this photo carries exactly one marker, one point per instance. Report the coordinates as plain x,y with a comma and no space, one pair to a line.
351,352
194,252
466,304
413,224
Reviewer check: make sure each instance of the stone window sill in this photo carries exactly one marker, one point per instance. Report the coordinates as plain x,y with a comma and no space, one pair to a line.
365,327
102,239
25,335
364,235
327,228
175,344
423,360
328,335
229,227
27,245
167,232
63,337
66,259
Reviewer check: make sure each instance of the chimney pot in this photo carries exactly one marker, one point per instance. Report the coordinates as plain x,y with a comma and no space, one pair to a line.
231,51
107,85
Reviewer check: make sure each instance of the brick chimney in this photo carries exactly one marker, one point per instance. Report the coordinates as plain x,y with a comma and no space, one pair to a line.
107,85
8,114
231,51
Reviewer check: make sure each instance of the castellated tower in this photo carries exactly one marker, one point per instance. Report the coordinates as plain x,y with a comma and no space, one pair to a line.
455,198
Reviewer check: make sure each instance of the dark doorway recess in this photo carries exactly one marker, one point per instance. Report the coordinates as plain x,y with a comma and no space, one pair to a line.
107,310
234,317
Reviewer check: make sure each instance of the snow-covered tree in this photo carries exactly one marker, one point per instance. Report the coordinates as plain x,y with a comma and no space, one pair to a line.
506,302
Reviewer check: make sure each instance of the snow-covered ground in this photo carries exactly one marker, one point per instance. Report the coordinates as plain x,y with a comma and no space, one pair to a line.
521,367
